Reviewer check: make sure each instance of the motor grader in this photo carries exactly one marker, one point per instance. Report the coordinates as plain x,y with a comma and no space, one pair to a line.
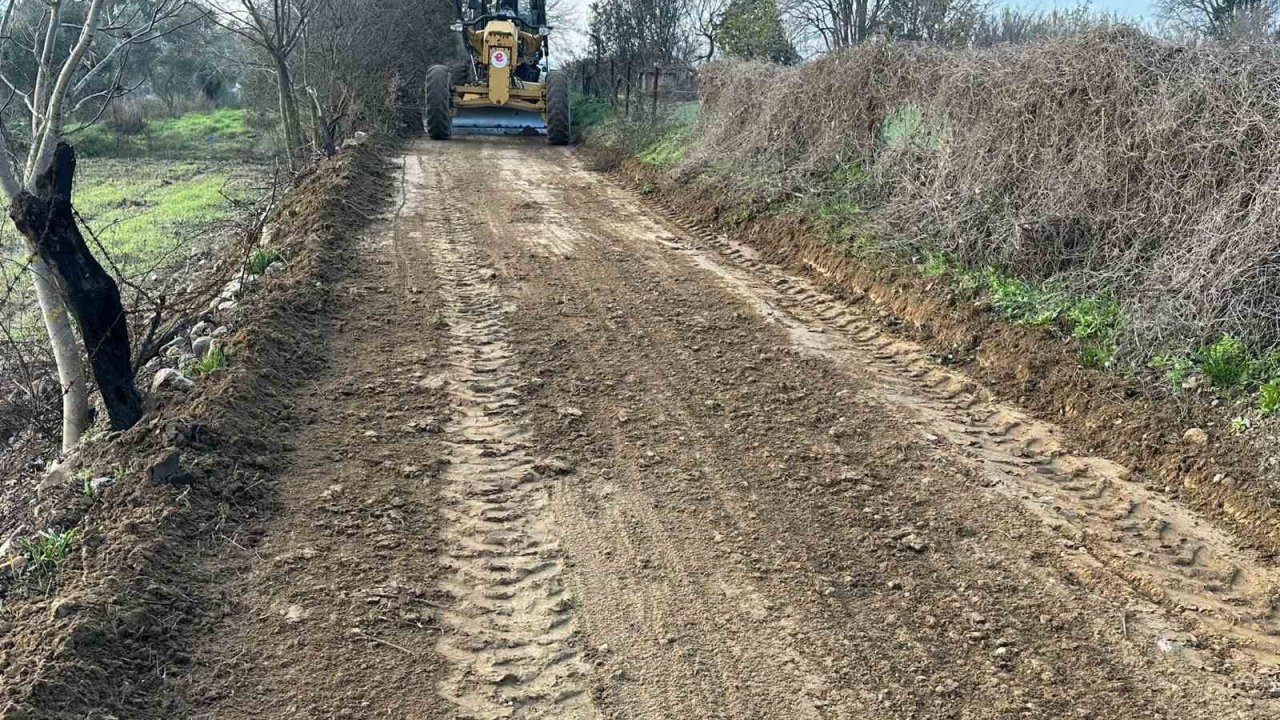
508,88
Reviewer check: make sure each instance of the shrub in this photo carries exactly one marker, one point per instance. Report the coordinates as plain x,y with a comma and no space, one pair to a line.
125,116
1097,161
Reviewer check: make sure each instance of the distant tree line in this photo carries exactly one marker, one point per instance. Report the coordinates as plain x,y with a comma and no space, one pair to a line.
628,38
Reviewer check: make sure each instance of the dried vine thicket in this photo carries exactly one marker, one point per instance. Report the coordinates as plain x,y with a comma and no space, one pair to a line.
1112,161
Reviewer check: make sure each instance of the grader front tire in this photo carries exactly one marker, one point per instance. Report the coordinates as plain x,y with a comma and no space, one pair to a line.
559,112
439,111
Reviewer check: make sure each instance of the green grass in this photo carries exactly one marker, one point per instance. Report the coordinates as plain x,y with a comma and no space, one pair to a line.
261,260
215,359
1094,321
590,112
935,264
673,143
1175,369
1225,362
48,550
144,210
218,134
1269,397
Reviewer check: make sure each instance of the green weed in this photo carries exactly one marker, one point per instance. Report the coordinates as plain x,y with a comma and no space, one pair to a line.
902,125
261,260
1269,397
48,550
1225,362
1240,425
1097,354
1022,302
849,176
1175,368
215,359
934,265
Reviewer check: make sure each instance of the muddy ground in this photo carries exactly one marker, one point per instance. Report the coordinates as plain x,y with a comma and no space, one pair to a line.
568,459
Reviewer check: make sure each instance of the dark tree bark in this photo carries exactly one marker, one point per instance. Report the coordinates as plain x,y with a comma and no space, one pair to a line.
46,220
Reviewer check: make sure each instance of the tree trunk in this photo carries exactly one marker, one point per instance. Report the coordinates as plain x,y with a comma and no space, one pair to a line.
66,354
290,122
46,220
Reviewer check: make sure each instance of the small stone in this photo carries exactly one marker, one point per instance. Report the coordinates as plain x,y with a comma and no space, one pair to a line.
232,289
97,485
426,425
202,329
275,269
170,379
200,348
295,614
432,383
914,543
552,466
63,607
1196,436
569,411
167,470
58,477
221,331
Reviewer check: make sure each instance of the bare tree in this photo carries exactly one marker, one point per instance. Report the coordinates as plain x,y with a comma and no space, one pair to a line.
1223,18
276,27
706,18
947,22
633,36
836,23
63,79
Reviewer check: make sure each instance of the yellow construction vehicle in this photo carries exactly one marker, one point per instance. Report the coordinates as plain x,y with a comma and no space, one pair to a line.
508,89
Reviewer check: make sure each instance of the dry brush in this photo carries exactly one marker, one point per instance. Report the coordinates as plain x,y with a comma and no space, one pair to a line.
1113,162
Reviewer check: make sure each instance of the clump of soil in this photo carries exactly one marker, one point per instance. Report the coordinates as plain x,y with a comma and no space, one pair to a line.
113,631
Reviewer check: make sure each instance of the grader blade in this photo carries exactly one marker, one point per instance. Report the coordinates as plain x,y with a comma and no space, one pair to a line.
498,121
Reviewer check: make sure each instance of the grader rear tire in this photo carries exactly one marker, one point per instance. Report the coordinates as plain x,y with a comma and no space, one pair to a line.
559,112
438,119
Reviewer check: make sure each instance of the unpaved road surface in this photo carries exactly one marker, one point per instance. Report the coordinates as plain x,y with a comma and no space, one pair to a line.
572,459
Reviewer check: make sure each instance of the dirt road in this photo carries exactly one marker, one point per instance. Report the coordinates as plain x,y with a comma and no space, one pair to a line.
572,460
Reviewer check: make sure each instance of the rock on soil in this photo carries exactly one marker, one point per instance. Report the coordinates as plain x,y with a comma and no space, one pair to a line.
170,379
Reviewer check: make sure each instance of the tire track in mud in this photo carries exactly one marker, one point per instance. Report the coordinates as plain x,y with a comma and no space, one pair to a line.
1160,549
510,632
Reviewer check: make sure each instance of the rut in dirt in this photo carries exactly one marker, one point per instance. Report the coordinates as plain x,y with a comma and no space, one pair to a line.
509,634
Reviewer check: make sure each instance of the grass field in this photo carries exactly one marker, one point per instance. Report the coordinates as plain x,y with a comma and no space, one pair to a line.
152,196
148,212
223,134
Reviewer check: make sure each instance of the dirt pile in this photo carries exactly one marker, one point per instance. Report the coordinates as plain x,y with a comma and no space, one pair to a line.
130,599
